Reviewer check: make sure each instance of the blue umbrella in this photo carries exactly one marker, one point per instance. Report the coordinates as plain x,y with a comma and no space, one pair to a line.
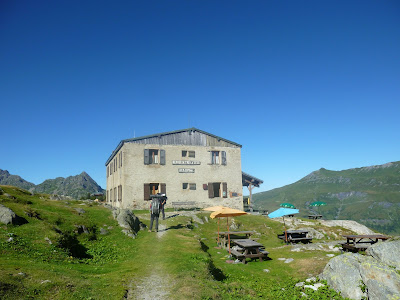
282,212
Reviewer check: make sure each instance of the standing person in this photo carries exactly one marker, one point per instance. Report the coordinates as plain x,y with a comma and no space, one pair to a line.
163,202
155,212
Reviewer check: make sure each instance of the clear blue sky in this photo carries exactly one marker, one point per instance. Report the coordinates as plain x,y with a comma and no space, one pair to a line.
300,84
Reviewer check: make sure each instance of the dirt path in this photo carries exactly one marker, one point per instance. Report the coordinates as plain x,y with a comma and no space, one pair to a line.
158,284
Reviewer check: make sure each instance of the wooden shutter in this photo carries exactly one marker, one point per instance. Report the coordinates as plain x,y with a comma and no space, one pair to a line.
146,157
223,156
162,157
210,190
146,191
163,188
224,190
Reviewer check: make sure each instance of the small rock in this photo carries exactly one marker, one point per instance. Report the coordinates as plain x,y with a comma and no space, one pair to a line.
48,240
45,281
299,284
281,258
311,279
330,255
80,210
266,271
103,231
10,239
303,294
289,260
21,274
315,287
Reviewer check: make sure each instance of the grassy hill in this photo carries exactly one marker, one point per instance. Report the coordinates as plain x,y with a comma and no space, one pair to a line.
369,195
46,258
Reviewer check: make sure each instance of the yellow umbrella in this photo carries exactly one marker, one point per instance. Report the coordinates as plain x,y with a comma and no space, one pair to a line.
226,213
216,208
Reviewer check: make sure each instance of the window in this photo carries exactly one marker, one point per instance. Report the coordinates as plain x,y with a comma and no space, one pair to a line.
154,188
154,156
215,157
190,186
218,157
217,189
120,193
107,197
107,170
115,194
186,153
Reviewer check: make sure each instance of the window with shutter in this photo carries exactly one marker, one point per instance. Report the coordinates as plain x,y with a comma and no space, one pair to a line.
146,191
163,188
210,190
224,190
146,156
162,157
223,158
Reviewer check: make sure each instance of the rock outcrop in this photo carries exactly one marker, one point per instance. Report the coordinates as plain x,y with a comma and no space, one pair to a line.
7,216
373,276
127,220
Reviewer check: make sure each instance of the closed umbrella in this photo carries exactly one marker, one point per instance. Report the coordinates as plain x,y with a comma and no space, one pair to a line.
282,212
226,213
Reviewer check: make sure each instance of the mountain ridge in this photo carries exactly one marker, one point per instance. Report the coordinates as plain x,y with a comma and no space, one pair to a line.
74,186
369,195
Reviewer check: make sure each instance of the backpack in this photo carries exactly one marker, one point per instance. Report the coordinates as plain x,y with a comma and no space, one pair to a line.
155,206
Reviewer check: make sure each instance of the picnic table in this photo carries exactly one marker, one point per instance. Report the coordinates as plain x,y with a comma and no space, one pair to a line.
247,248
223,236
314,217
293,236
357,243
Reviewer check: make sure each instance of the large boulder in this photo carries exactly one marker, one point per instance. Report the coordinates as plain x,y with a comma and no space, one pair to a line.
358,276
382,281
387,252
127,220
342,274
6,215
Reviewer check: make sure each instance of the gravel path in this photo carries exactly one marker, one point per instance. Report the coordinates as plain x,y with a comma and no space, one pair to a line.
155,286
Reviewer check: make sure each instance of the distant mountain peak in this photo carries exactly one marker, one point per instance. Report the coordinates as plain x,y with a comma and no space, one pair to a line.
74,186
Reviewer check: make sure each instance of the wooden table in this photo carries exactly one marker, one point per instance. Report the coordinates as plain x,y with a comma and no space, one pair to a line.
223,237
314,217
293,236
248,249
356,243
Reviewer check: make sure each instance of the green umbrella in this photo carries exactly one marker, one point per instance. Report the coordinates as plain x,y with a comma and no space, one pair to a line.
318,204
287,205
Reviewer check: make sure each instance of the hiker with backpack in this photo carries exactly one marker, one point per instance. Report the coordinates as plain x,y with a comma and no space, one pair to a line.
154,212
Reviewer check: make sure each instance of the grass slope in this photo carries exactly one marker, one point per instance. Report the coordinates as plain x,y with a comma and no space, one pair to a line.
369,195
94,266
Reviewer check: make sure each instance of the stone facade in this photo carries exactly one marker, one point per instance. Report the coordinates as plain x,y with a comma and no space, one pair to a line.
189,166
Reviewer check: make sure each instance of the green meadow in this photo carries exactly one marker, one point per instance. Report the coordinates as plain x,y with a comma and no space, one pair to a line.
47,259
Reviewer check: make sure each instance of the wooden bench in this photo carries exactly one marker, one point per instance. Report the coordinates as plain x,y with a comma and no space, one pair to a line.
315,217
186,204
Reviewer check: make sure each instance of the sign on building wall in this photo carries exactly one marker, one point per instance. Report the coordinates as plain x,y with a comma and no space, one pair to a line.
185,162
182,170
